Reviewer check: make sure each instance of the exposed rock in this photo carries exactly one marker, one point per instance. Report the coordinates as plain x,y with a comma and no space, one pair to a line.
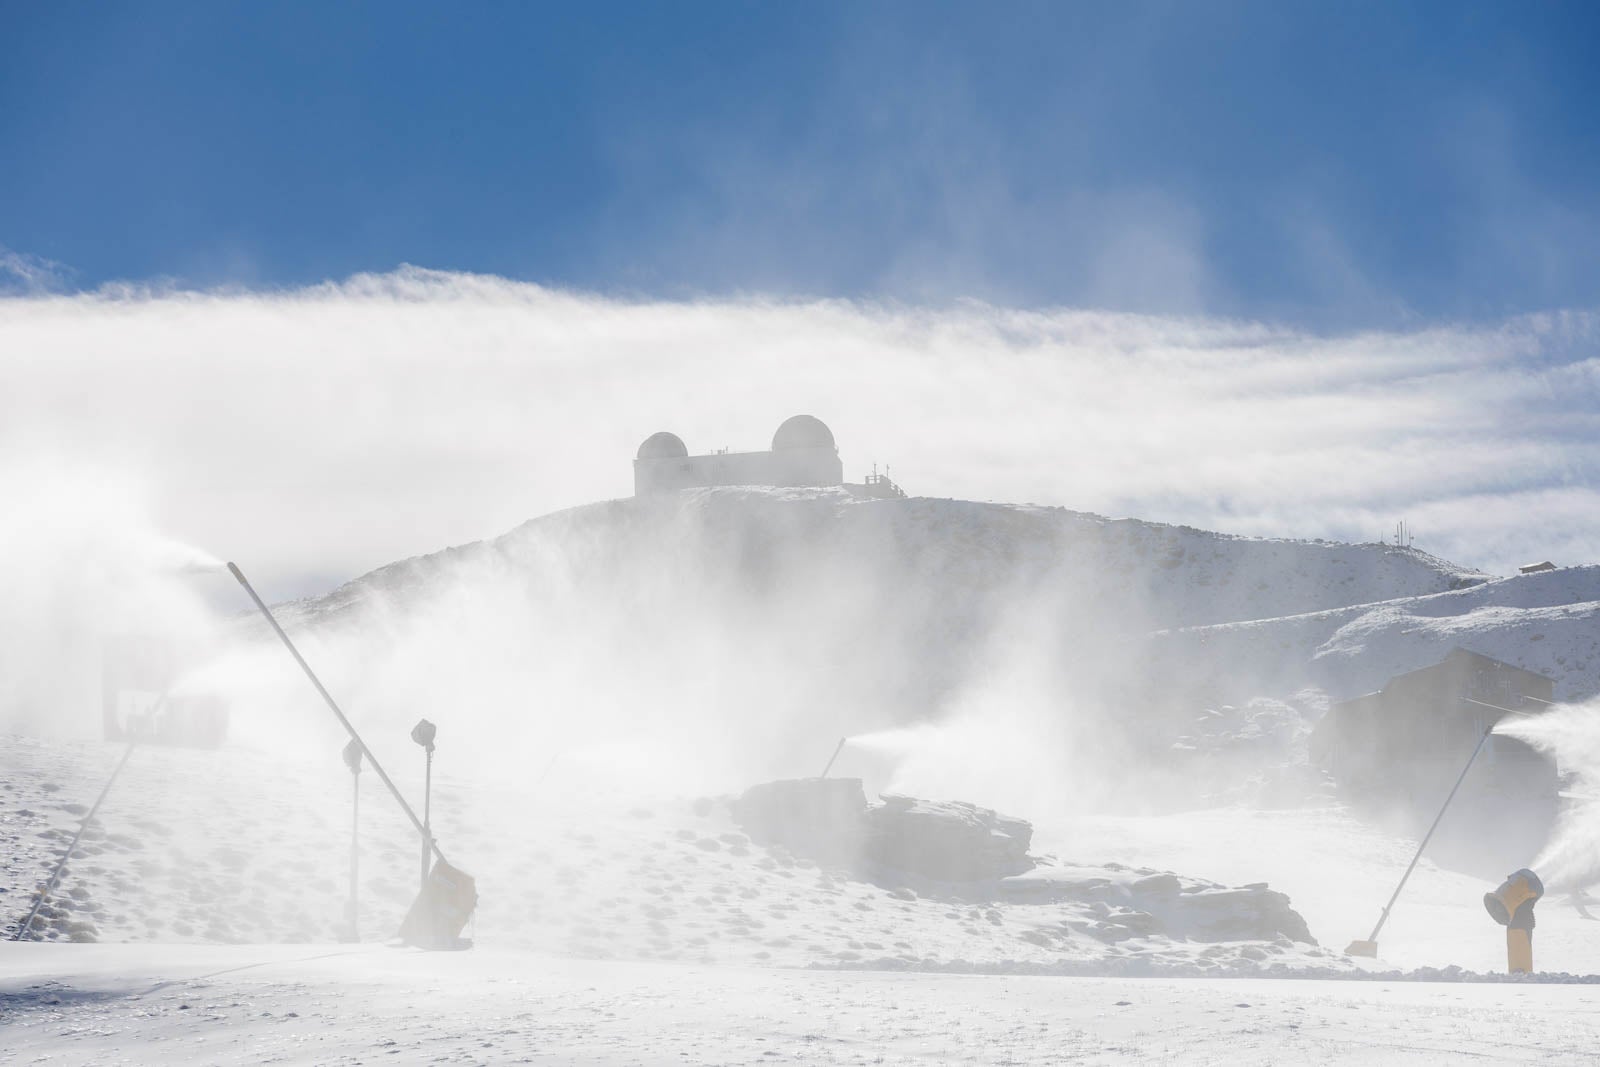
949,841
829,820
1164,903
820,818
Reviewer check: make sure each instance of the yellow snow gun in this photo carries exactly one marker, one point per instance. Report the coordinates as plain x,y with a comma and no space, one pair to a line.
1512,907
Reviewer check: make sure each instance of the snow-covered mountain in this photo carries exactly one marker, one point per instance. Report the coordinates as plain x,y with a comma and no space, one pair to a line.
1548,622
956,552
753,626
890,606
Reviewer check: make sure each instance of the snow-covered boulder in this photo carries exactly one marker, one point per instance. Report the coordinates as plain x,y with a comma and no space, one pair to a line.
819,818
950,841
830,820
1137,902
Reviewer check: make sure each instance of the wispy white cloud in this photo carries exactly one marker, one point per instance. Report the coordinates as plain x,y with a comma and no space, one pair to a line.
20,273
317,432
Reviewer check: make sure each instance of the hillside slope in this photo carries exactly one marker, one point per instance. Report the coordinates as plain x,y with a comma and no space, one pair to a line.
1173,575
730,629
1547,622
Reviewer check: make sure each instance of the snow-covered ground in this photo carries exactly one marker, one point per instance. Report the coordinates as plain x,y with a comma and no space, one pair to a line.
331,1004
235,846
240,847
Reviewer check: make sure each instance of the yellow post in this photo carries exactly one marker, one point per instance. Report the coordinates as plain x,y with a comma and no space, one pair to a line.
1519,951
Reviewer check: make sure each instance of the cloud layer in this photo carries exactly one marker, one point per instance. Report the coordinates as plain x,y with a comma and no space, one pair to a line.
315,433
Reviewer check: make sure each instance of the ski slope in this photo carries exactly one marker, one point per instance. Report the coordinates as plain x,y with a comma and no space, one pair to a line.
99,1004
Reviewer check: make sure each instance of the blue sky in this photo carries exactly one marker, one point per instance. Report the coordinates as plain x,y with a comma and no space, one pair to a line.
1334,165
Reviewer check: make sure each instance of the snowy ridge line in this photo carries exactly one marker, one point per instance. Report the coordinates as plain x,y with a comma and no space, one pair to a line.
1134,967
1351,611
1478,592
1543,622
1040,535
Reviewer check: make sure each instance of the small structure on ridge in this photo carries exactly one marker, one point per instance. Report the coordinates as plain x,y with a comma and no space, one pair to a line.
803,453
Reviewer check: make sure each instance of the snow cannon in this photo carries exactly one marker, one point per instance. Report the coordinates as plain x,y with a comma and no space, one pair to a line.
1512,907
441,910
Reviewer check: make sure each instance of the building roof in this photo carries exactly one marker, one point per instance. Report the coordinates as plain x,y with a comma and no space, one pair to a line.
802,431
663,445
1457,653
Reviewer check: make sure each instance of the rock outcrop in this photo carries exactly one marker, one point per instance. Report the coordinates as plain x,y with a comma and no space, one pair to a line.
822,819
904,840
950,841
1128,902
830,820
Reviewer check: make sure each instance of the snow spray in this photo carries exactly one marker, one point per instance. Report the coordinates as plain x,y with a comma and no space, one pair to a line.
1570,734
87,564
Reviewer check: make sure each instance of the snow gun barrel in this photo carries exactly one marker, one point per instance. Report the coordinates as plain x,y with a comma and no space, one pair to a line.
1369,947
838,749
333,706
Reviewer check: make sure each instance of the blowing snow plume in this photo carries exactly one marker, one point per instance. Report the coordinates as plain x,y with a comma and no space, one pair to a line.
708,639
1571,736
84,565
704,640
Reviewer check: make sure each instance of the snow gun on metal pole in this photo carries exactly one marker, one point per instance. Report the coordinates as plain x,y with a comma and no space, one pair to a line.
1369,947
334,707
55,874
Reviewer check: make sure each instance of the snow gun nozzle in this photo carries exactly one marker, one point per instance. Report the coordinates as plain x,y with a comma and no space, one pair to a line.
1511,905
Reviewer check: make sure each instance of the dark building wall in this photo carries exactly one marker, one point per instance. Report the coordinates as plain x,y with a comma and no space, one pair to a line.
1397,753
1422,726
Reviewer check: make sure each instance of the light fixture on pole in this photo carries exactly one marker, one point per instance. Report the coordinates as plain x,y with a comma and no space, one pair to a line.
352,759
423,734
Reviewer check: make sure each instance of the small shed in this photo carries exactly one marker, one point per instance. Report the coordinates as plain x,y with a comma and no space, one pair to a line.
1536,568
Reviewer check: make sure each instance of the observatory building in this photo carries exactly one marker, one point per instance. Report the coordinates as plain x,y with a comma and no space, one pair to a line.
803,453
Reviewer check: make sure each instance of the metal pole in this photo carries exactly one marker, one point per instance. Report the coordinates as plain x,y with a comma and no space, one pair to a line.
427,817
62,862
833,757
355,854
1429,836
1510,711
333,707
